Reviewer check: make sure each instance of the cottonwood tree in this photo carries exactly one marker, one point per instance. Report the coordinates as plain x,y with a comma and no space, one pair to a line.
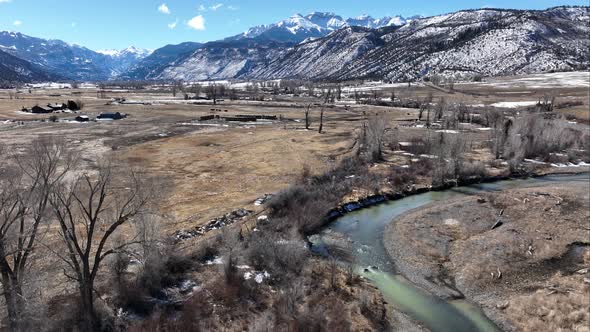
24,203
212,92
374,135
449,150
89,211
328,98
307,116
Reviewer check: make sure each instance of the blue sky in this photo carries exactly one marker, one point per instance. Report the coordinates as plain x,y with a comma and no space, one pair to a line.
102,24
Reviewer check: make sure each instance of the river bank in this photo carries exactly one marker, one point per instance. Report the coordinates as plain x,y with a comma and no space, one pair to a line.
495,249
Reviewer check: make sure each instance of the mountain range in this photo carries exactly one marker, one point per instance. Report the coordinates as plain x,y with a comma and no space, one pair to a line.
484,42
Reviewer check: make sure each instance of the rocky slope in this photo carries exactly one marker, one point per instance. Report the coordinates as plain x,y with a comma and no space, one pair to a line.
486,42
298,28
14,69
469,43
160,59
70,61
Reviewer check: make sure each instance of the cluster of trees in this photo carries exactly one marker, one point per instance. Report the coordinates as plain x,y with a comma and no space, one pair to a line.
48,206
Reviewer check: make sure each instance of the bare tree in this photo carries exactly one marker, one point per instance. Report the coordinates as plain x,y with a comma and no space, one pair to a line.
212,92
177,86
338,92
307,118
326,101
24,199
374,134
440,108
89,211
449,150
196,89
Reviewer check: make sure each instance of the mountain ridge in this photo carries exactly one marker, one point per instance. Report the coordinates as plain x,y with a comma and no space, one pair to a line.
322,45
469,43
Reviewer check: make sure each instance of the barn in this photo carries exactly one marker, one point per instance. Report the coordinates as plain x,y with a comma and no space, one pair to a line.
41,110
111,116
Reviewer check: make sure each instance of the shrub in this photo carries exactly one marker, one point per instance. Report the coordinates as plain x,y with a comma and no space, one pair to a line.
471,170
280,258
533,136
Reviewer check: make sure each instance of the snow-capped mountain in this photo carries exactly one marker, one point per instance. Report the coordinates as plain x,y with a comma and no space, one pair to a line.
131,51
123,60
484,42
298,28
14,69
487,42
159,59
70,61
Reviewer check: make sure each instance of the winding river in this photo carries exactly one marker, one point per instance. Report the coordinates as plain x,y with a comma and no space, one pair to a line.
365,229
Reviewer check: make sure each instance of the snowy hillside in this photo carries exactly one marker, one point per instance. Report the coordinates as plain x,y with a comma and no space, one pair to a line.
486,42
69,60
123,60
482,42
15,69
298,28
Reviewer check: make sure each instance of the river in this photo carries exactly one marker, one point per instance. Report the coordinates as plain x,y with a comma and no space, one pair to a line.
364,228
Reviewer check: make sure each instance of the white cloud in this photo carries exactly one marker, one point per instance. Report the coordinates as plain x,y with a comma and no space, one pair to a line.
173,25
164,9
216,6
5,1
231,7
202,8
197,23
17,23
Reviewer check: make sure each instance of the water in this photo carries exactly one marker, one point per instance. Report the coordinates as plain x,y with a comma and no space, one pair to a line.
365,229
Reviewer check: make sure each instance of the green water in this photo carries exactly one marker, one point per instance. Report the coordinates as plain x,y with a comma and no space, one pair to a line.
365,229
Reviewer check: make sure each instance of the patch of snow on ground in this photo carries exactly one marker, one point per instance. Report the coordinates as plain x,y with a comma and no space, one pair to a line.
514,104
215,261
561,165
258,276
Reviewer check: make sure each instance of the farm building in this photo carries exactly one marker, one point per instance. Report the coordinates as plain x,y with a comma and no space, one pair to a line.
111,116
41,110
57,107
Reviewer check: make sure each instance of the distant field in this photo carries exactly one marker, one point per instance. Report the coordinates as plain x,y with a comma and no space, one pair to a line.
218,166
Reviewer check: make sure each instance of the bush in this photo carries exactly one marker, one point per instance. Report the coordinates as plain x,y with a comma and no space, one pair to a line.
533,136
419,146
472,170
280,258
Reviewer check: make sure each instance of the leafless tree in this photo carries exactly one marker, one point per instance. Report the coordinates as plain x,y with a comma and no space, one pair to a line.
307,116
327,99
212,93
436,79
310,87
89,211
440,108
196,89
375,132
449,150
24,198
177,86
230,248
499,133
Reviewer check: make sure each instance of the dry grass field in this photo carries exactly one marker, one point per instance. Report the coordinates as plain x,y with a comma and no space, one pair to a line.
216,166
